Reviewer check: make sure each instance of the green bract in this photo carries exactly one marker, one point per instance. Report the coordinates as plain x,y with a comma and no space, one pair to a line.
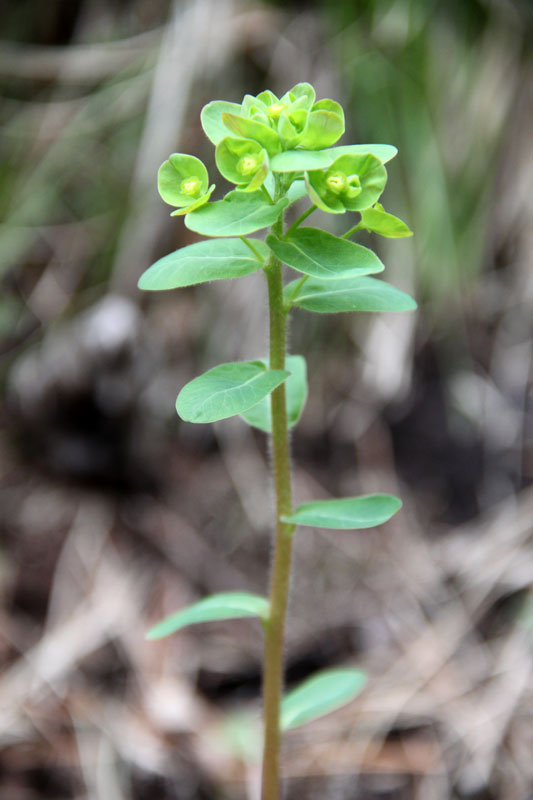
351,183
183,182
278,151
242,161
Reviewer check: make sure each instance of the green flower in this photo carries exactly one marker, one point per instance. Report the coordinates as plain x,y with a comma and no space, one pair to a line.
183,181
242,161
351,183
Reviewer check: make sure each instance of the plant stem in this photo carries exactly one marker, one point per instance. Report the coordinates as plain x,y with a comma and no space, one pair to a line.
281,566
300,219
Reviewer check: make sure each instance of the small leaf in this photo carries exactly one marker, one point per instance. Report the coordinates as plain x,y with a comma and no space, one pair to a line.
296,387
211,260
348,294
227,390
250,129
326,691
308,160
323,255
237,214
211,118
227,605
346,513
377,220
325,125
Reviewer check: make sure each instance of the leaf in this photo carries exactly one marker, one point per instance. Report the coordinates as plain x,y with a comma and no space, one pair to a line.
250,129
348,294
324,692
237,214
227,605
211,118
325,125
323,255
296,388
210,260
346,513
379,221
227,390
308,160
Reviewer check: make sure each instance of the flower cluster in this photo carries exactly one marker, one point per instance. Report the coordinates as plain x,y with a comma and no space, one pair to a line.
293,137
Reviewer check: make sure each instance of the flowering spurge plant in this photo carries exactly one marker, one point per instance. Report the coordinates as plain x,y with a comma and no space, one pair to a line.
278,151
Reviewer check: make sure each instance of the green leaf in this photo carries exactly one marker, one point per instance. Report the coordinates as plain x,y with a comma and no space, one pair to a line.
349,294
250,129
325,125
377,220
308,160
227,390
323,255
326,691
346,513
296,388
237,214
227,605
211,260
211,118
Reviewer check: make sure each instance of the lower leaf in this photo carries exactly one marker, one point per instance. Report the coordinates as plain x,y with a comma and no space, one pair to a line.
227,605
322,693
346,513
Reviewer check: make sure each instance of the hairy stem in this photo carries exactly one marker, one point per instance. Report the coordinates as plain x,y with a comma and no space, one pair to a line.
281,566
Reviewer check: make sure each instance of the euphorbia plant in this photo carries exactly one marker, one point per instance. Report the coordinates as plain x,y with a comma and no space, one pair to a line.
278,151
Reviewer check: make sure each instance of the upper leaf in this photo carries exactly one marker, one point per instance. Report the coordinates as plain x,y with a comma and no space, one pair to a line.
226,605
296,393
252,129
210,260
346,513
237,214
227,390
211,118
307,160
324,692
325,125
377,220
323,255
348,294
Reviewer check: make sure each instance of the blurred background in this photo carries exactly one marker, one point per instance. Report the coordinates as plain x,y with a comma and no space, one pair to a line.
113,513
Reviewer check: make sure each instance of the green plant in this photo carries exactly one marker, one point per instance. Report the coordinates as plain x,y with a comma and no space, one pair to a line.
278,151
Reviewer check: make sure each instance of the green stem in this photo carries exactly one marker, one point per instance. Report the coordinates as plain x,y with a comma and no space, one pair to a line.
281,565
254,250
300,220
358,227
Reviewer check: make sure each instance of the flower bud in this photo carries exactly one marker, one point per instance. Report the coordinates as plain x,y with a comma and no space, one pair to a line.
351,183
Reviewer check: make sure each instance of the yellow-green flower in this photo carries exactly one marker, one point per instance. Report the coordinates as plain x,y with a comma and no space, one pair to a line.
351,183
183,181
242,161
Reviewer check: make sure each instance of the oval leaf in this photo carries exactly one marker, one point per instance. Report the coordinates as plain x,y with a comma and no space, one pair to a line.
309,160
348,294
324,692
296,386
323,255
379,221
227,390
211,118
227,605
212,260
237,214
251,129
346,513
